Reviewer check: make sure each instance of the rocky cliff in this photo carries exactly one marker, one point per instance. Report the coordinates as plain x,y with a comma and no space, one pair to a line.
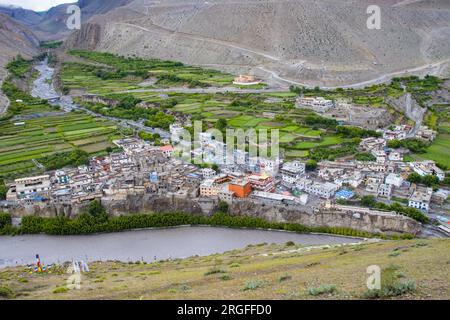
364,221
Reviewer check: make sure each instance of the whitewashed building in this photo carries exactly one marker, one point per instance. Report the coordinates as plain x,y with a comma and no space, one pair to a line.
420,199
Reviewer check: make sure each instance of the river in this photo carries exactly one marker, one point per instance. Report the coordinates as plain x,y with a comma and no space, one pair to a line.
43,88
146,245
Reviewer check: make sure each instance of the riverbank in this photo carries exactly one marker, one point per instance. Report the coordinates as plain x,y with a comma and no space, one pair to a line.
100,222
149,245
414,269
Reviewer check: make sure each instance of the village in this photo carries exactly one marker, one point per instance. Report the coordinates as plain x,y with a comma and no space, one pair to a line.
143,168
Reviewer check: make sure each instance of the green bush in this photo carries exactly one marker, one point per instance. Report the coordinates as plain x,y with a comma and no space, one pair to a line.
393,290
3,190
60,290
253,285
6,292
5,220
284,277
215,271
323,289
59,160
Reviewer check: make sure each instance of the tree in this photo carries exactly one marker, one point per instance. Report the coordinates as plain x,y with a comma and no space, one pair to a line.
128,102
221,124
368,201
311,165
394,144
96,210
430,180
215,167
3,190
223,207
5,220
414,178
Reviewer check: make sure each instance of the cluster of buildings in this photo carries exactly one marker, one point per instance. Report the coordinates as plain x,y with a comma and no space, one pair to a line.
141,168
402,132
346,113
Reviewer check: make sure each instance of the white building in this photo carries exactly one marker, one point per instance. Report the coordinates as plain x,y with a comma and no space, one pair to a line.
324,190
384,190
428,167
31,185
292,171
380,155
354,179
278,198
208,173
209,189
395,156
420,199
318,104
395,180
372,143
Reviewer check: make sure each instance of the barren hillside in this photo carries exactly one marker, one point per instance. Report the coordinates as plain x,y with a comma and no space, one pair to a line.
318,42
14,39
263,271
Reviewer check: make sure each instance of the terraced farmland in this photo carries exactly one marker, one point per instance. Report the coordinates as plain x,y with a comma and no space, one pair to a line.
22,145
117,73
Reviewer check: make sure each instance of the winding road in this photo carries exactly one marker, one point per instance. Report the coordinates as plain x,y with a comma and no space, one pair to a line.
275,75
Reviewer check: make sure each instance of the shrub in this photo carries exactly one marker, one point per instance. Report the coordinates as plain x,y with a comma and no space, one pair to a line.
391,286
3,190
60,290
284,277
253,285
393,290
5,220
6,292
214,271
323,289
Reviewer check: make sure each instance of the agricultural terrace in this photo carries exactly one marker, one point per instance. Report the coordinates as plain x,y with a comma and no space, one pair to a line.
105,73
51,141
300,130
303,134
438,118
375,95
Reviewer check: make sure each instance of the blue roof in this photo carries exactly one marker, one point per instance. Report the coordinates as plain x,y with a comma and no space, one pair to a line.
345,194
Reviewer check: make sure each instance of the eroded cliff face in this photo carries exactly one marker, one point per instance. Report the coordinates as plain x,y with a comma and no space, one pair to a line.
373,223
86,38
407,105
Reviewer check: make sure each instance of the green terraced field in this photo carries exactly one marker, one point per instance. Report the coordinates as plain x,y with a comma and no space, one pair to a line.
41,137
325,142
439,151
120,74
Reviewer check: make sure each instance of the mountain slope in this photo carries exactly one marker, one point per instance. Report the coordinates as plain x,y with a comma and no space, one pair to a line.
14,39
257,272
25,16
321,42
51,25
